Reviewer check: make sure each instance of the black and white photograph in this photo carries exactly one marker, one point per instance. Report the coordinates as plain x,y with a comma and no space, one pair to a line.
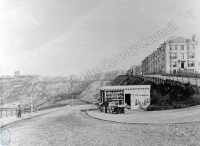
99,73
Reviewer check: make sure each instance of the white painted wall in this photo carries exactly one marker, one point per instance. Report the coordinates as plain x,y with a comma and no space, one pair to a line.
141,96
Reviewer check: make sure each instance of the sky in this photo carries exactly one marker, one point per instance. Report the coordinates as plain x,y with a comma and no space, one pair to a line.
64,37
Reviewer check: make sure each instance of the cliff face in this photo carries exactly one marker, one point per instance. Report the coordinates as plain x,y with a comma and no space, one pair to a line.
91,93
17,92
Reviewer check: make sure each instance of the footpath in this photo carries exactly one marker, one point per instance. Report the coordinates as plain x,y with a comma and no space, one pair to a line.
12,119
185,115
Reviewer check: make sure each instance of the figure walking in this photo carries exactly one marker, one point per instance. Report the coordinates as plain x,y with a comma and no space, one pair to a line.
19,111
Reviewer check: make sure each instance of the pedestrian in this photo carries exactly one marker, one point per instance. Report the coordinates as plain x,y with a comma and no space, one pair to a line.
19,111
106,104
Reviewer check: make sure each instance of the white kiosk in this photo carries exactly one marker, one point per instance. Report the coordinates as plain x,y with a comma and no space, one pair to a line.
136,96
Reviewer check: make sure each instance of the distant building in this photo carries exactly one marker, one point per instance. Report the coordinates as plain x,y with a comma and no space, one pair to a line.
173,56
16,73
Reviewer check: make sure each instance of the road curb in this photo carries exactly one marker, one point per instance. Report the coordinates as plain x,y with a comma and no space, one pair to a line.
137,122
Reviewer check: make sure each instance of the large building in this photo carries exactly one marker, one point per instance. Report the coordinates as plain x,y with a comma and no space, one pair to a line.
173,56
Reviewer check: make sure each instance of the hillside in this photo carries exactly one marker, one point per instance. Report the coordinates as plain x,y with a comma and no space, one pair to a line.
15,92
91,93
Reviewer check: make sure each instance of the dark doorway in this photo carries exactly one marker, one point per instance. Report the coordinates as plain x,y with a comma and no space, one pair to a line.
128,99
182,64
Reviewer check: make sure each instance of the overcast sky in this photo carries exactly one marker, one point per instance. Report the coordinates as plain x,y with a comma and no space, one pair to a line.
63,37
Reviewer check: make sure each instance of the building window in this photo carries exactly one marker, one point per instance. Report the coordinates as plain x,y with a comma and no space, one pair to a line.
163,57
190,63
173,71
182,47
175,47
164,49
182,55
173,56
173,64
191,55
191,47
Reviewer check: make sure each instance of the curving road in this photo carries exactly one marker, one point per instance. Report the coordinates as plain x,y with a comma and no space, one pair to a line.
72,127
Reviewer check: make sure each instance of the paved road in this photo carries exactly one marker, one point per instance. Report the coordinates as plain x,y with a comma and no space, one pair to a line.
72,127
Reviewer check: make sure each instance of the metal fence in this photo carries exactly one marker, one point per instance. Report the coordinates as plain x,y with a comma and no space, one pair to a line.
6,112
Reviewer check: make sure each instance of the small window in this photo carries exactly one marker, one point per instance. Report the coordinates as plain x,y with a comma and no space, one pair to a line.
191,55
191,64
173,64
173,56
182,47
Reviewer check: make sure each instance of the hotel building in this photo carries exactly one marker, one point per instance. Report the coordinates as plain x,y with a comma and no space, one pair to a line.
173,56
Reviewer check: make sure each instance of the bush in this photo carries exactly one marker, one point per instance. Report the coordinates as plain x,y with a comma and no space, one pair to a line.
154,99
193,101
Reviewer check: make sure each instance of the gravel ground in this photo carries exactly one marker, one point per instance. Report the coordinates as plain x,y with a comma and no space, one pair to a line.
72,127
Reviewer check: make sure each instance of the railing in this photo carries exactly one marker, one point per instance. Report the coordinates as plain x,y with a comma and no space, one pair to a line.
5,112
178,73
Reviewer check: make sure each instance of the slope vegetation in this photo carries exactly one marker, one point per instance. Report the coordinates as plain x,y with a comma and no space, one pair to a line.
164,96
